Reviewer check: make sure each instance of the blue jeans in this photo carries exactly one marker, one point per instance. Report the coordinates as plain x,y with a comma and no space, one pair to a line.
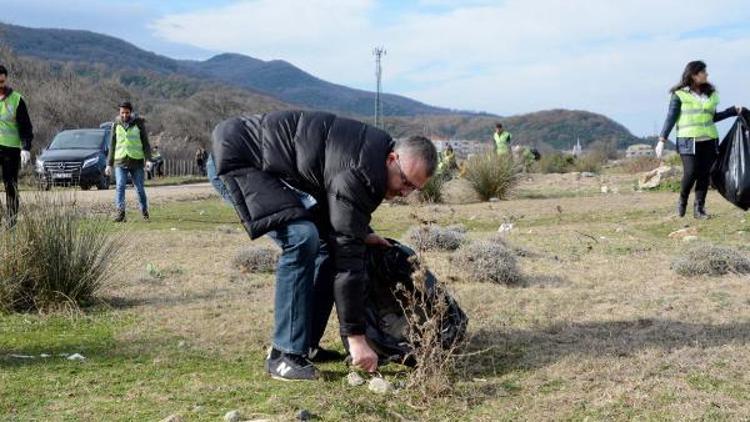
304,287
216,181
121,178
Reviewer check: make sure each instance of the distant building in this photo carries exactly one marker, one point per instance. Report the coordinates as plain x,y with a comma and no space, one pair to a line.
463,147
577,149
640,150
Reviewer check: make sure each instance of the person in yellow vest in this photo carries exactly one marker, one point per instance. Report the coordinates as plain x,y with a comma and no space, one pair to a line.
692,108
447,164
502,140
16,134
129,150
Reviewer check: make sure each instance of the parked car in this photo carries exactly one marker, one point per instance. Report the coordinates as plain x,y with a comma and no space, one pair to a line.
75,158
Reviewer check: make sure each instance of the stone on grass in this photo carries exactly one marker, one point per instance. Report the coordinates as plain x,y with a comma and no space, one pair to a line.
380,386
505,228
652,179
354,379
679,234
77,357
304,415
172,418
232,416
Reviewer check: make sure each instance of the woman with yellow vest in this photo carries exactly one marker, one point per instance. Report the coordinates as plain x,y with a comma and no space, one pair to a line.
129,150
16,134
693,109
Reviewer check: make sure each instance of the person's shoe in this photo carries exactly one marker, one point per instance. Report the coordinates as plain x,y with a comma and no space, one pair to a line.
145,215
681,208
290,367
119,217
319,354
699,212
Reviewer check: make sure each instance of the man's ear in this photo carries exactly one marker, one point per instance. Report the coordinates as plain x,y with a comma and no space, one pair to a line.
391,157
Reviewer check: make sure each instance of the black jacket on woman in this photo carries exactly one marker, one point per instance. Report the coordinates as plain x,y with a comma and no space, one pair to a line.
339,161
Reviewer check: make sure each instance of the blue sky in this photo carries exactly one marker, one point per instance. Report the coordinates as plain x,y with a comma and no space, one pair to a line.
506,57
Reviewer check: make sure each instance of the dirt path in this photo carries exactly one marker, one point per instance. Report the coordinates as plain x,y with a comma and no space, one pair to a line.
156,194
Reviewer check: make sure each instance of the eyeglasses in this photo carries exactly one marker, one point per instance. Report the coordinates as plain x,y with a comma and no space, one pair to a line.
411,186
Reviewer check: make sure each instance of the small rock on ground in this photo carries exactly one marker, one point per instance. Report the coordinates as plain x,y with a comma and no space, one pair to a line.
304,415
172,418
354,379
232,416
380,386
690,231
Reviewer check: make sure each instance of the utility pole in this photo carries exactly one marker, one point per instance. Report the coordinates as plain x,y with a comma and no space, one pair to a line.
378,52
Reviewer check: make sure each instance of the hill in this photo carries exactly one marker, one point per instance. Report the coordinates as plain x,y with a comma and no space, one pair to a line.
549,129
277,77
169,87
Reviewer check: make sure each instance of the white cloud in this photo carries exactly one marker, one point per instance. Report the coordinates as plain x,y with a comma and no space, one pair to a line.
509,57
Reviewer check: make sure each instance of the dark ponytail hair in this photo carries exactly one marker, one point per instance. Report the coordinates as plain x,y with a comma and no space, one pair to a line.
693,68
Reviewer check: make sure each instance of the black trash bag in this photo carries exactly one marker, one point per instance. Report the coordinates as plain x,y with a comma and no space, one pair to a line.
730,174
386,324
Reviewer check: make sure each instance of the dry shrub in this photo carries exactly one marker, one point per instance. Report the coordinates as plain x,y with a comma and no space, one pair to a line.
56,256
434,375
488,262
433,190
492,175
590,162
434,238
637,165
460,228
556,162
501,239
711,260
256,260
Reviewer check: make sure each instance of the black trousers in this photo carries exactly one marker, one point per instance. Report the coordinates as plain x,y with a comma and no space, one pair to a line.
10,161
697,171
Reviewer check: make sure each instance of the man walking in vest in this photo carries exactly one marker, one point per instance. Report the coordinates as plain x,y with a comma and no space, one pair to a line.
16,134
502,140
128,152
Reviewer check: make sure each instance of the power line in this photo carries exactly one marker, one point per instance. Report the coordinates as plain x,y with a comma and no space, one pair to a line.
378,52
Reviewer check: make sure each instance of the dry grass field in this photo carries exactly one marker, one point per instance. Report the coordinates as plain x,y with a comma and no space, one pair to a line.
602,329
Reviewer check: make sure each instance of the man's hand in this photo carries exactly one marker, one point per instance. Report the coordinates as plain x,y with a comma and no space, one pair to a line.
25,157
739,109
374,240
659,150
108,171
363,357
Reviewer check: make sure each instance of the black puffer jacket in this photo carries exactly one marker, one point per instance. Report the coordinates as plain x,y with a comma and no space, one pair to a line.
341,162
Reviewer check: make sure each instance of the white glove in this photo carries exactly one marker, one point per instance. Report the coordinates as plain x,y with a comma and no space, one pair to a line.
25,157
149,165
108,171
659,149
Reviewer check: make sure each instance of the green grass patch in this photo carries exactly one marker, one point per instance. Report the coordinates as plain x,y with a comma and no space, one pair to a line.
202,215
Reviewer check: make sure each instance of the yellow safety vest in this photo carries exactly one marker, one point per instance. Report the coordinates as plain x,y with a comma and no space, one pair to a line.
696,116
128,142
9,135
502,142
